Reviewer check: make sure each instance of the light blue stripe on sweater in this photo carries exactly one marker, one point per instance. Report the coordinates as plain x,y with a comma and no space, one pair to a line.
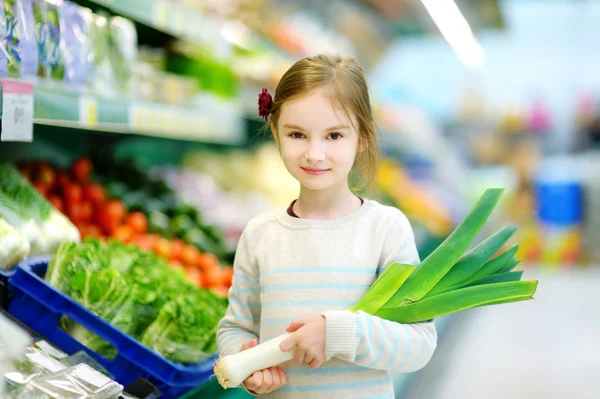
310,286
368,349
233,299
381,345
320,269
327,370
240,276
334,387
408,348
311,302
276,320
394,350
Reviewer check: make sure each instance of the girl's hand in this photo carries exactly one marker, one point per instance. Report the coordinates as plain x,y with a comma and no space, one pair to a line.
264,381
308,339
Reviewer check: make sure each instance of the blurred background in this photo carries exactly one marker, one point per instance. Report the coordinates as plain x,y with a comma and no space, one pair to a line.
156,99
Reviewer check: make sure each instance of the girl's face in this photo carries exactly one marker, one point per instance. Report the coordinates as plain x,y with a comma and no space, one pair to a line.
317,140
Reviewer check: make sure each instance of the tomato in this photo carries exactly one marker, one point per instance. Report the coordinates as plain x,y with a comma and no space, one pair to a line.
162,248
213,276
194,275
190,255
74,211
62,179
110,215
142,241
95,193
207,260
221,291
87,211
227,276
57,202
177,246
89,230
123,233
137,221
72,193
46,175
82,169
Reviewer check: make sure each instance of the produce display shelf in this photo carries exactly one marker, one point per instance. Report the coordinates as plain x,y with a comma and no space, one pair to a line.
175,19
57,106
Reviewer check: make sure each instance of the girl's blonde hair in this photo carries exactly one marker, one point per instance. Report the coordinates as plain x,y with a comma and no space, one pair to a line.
344,82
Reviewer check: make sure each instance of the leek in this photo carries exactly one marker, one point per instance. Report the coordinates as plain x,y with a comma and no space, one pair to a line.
445,282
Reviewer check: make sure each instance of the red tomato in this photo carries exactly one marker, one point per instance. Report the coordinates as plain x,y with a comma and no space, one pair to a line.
194,275
94,193
74,212
47,176
162,248
62,179
137,221
81,169
227,276
190,255
57,202
123,233
72,193
110,215
87,211
177,246
90,230
213,276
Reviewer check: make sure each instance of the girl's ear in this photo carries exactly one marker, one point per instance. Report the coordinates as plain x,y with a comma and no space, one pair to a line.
362,144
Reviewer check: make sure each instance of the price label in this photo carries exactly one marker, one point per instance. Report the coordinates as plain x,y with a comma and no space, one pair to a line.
17,111
88,111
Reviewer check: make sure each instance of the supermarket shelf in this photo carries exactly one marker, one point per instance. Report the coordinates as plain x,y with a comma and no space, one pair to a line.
175,19
58,107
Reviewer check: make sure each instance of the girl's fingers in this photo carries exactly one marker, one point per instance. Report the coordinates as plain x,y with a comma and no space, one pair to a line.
282,375
267,379
256,380
308,358
299,355
276,377
315,363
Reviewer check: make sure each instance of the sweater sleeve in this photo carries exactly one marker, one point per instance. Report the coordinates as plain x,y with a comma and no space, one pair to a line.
241,321
362,339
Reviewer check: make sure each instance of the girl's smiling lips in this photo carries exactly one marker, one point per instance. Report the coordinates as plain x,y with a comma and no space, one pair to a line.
315,171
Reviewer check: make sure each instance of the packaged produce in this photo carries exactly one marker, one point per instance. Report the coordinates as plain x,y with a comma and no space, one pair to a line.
123,51
20,51
76,43
49,37
13,246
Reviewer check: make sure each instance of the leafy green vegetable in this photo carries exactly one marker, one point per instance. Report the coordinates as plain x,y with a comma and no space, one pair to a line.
13,246
139,294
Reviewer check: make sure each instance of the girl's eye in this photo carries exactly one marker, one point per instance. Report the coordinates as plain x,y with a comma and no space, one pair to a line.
335,136
296,135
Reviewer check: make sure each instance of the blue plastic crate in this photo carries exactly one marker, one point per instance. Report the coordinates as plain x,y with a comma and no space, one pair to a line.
40,306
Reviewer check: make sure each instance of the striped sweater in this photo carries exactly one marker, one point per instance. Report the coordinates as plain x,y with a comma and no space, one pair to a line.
287,268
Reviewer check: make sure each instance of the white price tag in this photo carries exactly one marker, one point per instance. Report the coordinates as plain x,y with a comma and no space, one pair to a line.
88,111
88,374
17,111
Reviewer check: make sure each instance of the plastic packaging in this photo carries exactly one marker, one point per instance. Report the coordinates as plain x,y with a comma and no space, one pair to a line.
19,55
76,44
123,51
48,32
32,364
102,75
80,381
13,342
13,246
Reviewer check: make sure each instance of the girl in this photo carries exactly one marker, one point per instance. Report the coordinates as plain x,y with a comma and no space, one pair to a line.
297,269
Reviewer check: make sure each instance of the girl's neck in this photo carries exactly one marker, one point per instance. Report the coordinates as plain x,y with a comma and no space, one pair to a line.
331,203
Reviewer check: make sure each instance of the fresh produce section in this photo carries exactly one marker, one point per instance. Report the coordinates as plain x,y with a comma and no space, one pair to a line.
146,214
141,295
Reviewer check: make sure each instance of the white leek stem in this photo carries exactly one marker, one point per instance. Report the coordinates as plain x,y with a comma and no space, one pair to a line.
232,370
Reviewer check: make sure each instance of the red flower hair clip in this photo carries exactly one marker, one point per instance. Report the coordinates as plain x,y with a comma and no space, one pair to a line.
265,104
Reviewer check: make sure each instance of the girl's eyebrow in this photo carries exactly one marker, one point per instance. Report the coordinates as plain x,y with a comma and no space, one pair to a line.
292,126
